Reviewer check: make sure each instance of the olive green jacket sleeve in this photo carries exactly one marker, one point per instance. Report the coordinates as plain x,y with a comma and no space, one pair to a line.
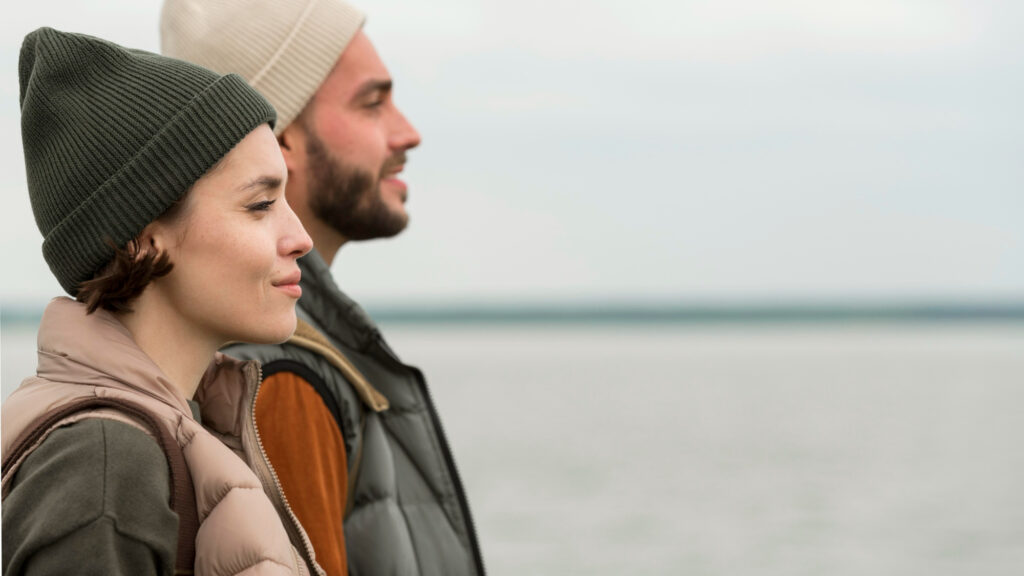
92,499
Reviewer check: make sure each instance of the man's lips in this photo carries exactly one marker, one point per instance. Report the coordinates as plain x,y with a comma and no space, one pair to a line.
395,181
389,175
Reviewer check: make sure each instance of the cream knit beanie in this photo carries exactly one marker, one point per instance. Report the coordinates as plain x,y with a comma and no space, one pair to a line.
283,48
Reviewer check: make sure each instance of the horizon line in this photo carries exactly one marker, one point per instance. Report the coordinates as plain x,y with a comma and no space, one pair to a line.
659,313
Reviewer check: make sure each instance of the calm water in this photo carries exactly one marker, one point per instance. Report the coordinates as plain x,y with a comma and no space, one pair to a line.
728,450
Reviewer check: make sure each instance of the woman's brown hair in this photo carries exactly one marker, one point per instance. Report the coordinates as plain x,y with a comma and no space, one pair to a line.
131,269
123,278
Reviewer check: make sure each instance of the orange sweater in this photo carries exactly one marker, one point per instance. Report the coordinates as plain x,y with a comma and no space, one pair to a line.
304,444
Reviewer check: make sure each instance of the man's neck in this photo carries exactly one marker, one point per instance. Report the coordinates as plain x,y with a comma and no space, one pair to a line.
326,240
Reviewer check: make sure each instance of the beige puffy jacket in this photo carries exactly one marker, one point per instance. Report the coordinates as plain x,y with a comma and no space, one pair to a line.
240,530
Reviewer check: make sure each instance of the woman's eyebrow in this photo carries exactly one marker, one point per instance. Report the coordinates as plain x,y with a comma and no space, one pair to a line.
260,183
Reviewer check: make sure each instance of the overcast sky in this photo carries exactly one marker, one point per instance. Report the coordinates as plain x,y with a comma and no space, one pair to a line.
669,150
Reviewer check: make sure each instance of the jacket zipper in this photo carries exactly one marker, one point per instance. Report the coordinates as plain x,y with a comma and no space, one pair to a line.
460,492
266,471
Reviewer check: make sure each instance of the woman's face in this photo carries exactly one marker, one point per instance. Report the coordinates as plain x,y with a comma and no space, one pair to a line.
234,248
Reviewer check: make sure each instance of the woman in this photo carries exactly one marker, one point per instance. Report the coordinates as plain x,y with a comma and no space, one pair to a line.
158,187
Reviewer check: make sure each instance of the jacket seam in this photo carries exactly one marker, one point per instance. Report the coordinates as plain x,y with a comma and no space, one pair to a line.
449,491
441,497
102,514
101,517
272,561
103,435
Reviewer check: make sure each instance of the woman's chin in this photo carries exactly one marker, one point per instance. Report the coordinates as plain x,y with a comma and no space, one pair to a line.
270,332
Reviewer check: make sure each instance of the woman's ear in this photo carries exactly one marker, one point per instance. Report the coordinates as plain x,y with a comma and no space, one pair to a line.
152,240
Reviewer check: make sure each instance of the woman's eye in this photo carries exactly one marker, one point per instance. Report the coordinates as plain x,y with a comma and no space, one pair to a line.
261,206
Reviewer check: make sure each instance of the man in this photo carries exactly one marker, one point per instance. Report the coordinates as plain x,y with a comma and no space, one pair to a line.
351,431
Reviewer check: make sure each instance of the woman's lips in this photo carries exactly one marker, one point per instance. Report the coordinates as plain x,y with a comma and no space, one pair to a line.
290,284
293,290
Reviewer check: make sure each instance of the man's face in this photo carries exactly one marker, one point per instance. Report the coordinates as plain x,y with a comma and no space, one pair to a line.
356,143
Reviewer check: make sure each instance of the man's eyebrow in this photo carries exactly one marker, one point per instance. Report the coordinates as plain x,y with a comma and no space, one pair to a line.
260,183
371,86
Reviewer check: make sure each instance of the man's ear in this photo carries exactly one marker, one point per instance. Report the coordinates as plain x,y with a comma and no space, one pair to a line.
293,146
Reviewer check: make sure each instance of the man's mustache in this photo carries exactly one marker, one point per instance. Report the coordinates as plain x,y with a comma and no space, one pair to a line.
395,161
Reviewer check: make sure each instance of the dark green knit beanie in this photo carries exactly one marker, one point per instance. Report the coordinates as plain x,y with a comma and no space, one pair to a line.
113,137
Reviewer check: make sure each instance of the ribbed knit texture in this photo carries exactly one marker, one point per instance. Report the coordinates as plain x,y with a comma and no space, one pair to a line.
283,48
113,137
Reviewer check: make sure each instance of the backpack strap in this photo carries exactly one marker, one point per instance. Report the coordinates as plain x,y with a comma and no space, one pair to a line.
308,337
183,497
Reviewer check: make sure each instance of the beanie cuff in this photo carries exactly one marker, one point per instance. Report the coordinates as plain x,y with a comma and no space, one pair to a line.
198,136
295,72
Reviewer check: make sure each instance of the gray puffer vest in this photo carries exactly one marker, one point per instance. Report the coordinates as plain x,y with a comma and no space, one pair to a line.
408,511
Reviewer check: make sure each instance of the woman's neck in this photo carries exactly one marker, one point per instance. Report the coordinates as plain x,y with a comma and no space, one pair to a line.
178,348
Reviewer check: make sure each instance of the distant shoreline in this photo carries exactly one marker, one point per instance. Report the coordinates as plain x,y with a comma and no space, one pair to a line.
663,314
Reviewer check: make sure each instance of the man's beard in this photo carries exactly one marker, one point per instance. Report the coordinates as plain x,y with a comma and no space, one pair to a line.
347,197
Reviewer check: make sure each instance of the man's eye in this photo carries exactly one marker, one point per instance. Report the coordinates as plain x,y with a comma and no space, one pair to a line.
261,206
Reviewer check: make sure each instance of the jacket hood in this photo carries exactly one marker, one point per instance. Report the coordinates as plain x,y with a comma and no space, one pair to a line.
97,350
83,355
